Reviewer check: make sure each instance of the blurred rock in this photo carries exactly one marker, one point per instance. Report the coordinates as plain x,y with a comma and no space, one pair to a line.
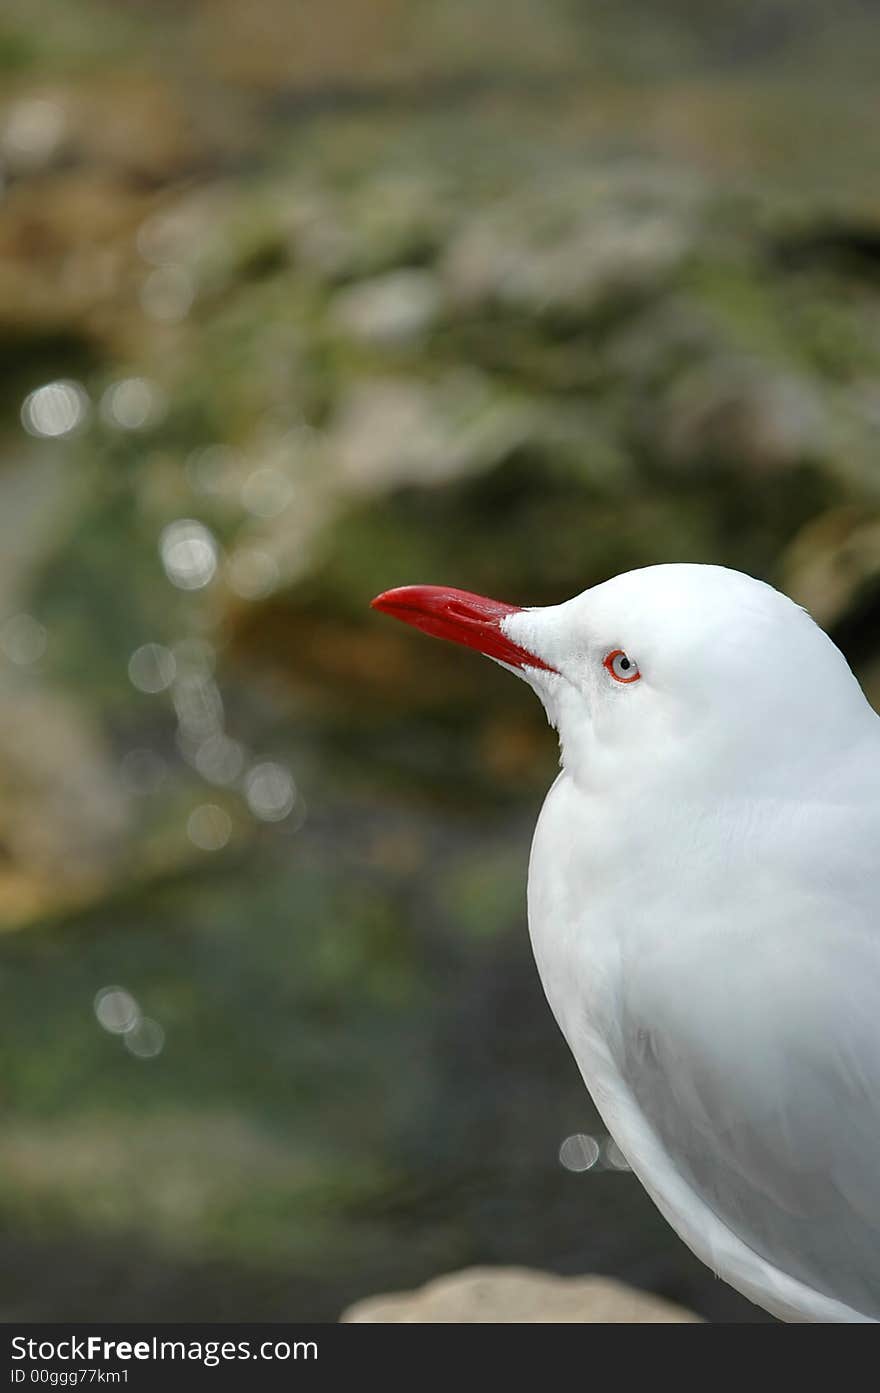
832,561
64,813
385,221
67,256
391,431
34,133
572,249
743,415
391,310
38,495
518,1295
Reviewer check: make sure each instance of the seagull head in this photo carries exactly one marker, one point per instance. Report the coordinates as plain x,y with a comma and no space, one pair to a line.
696,675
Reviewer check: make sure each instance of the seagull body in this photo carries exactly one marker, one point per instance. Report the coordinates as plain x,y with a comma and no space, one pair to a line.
704,910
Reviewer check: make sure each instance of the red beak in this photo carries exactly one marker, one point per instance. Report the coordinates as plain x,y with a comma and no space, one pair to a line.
461,617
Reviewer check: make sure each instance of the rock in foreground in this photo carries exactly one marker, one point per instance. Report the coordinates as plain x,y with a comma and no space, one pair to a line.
518,1295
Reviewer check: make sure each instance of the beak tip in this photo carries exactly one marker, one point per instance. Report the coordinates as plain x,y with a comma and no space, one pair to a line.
384,603
458,615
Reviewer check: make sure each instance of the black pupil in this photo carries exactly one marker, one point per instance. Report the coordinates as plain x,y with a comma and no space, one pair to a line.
625,664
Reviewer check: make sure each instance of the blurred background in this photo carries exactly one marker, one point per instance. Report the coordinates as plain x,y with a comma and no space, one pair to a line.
298,302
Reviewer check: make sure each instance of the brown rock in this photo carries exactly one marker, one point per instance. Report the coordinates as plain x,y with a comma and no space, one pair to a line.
518,1295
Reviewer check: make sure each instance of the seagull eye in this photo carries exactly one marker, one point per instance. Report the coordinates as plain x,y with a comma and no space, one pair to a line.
621,666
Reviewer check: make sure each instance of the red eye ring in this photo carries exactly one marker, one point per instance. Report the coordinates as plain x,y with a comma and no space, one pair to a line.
610,662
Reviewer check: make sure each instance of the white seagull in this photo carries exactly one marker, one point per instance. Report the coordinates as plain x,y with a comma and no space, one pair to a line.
704,910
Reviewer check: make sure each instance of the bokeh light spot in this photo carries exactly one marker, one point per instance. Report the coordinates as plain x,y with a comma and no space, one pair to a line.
116,1010
146,1039
579,1152
151,668
194,655
209,468
209,827
133,404
613,1157
219,759
199,706
23,639
270,791
189,554
266,492
55,409
252,573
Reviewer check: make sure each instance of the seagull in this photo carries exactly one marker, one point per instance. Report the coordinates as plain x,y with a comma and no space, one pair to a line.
704,909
